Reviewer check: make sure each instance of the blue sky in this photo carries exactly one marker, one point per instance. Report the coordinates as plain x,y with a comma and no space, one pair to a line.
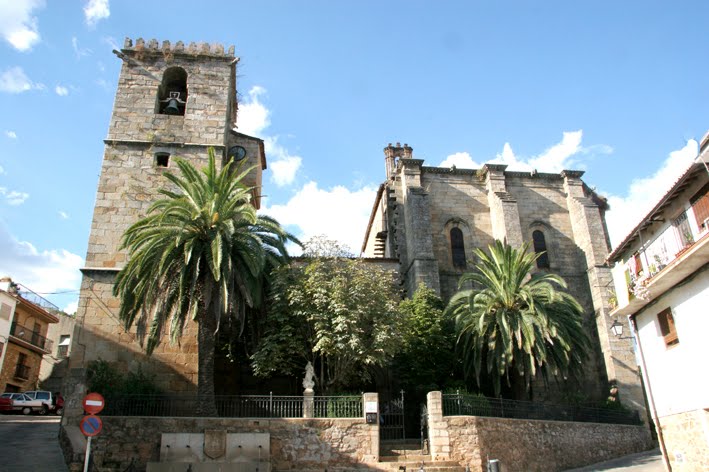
614,88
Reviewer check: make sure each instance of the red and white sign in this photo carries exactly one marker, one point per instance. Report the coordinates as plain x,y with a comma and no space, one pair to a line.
90,425
93,403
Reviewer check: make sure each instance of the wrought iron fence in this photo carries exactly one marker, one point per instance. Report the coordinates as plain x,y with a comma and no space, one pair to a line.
472,405
232,406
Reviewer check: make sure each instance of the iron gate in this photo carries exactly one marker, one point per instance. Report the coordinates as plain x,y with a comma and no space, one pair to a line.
391,418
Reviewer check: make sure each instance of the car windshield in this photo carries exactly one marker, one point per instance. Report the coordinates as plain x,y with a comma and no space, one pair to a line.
6,395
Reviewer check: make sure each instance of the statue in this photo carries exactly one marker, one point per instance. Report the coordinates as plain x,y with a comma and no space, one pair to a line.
309,380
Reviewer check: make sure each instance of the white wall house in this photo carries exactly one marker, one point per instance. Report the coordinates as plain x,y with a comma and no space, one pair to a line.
661,278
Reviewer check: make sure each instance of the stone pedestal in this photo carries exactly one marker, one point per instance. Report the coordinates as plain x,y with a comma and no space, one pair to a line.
308,403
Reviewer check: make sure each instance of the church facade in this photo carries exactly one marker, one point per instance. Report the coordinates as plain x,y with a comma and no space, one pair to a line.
180,100
430,219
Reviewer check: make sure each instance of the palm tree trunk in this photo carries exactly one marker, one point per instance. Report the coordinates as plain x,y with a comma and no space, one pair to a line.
206,406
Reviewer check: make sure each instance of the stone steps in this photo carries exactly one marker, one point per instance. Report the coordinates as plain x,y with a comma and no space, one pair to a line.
408,456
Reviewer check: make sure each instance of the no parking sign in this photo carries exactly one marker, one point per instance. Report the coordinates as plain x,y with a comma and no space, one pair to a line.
90,425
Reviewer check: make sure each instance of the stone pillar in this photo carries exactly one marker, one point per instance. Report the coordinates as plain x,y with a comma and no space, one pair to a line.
421,265
590,236
308,403
373,455
504,213
438,439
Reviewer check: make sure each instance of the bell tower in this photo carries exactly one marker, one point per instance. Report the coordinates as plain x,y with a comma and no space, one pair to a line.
171,100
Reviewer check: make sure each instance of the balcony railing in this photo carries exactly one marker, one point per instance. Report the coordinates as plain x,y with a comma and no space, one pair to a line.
232,406
30,296
471,405
22,372
32,337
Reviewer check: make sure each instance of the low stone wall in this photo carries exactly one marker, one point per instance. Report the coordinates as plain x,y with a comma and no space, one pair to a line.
686,438
535,445
528,445
296,444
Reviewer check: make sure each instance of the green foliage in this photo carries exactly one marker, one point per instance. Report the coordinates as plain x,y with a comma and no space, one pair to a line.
512,325
104,378
339,314
201,254
426,360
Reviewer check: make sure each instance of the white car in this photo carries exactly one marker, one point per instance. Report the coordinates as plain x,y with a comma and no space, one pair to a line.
26,404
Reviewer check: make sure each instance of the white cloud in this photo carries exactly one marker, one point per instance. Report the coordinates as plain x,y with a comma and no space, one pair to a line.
253,116
318,211
79,51
96,10
42,271
61,91
18,26
14,80
283,165
10,134
111,41
554,159
71,307
644,193
13,197
104,84
64,215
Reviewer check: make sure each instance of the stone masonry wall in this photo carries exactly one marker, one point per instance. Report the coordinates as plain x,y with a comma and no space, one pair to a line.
522,203
686,438
528,445
296,444
535,445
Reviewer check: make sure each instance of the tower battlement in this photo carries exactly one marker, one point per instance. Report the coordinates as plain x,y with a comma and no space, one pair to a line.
192,49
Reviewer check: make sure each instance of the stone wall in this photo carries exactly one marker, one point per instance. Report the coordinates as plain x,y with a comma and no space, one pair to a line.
686,438
296,444
528,445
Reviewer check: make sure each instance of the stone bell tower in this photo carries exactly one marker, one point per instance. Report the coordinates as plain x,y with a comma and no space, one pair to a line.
172,100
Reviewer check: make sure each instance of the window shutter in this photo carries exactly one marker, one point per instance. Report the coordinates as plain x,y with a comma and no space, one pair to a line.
700,206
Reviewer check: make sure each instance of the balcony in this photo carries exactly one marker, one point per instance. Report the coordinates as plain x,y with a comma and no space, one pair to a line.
664,273
33,338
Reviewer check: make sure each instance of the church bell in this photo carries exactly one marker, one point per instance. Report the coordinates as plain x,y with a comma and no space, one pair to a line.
172,108
173,104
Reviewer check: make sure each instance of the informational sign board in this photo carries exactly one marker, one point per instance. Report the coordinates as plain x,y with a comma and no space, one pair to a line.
90,425
93,403
370,407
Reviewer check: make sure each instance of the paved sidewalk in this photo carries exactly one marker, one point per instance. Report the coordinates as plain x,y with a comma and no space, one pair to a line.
30,443
649,461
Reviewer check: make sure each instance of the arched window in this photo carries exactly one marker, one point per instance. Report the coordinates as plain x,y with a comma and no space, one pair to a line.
172,93
457,248
540,247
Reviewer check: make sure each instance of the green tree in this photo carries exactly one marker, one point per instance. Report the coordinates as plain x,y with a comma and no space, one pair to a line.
426,360
512,325
338,313
201,254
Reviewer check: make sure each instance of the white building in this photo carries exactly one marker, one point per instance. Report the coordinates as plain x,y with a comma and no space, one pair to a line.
661,277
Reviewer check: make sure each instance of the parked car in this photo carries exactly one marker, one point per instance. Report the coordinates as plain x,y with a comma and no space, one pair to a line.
5,403
47,401
25,404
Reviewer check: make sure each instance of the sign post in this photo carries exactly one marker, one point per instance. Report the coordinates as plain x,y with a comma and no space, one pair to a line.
91,424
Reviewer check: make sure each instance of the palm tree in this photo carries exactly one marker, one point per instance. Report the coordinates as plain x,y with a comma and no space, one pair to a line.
200,254
511,324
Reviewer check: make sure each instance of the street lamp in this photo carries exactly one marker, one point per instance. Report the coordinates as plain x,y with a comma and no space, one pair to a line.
617,328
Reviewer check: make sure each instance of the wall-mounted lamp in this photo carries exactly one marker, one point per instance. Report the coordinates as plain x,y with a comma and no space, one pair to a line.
617,328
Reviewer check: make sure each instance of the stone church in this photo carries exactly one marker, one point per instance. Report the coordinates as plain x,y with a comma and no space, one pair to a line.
429,219
179,100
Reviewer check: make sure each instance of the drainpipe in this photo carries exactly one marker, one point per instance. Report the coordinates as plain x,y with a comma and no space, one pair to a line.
648,385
